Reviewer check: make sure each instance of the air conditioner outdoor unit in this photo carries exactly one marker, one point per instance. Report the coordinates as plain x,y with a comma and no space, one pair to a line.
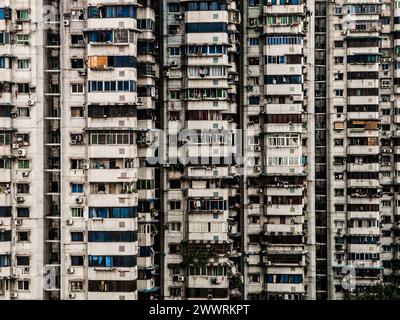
18,222
66,23
20,200
180,278
31,102
70,270
257,148
14,295
257,168
21,152
69,222
86,166
25,174
139,101
18,27
79,200
72,295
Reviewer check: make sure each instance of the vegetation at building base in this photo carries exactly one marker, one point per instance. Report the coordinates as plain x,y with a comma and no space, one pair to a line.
382,291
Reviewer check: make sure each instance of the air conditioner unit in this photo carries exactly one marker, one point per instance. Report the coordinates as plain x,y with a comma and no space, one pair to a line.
1,222
72,295
31,102
69,222
21,152
13,295
70,270
257,148
180,278
79,200
18,222
86,166
18,27
66,23
20,199
25,174
268,263
179,16
209,296
139,101
15,146
257,168
174,63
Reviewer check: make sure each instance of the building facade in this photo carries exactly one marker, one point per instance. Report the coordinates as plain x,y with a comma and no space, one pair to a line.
218,149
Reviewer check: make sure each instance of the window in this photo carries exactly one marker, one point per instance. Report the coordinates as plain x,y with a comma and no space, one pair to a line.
175,94
23,164
5,260
23,64
76,260
76,285
76,88
22,260
76,187
23,15
77,112
77,63
23,88
23,112
77,212
23,236
22,39
125,212
23,285
175,205
5,212
77,39
175,226
112,236
5,163
112,261
175,51
76,236
175,184
22,187
23,212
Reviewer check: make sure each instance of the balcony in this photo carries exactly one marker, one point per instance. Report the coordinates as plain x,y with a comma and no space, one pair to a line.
359,149
282,209
207,281
111,175
113,200
284,287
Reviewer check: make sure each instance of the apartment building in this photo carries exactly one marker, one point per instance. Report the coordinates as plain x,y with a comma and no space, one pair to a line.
359,97
276,123
201,197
